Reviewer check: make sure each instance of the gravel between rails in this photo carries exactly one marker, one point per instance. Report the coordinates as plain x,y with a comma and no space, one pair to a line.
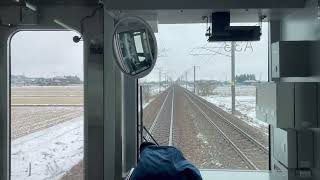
199,142
150,111
160,128
257,133
254,151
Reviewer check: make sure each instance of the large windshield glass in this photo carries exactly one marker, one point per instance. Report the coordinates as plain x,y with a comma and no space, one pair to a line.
193,101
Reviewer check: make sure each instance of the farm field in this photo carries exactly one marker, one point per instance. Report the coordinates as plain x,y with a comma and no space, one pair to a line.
76,90
46,131
47,95
29,119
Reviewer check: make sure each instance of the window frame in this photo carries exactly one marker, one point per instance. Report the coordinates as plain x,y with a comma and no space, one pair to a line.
9,38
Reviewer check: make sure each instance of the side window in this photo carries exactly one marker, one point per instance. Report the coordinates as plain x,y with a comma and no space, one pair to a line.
46,106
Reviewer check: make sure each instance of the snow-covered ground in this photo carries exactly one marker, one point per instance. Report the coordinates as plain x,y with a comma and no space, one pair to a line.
245,102
49,153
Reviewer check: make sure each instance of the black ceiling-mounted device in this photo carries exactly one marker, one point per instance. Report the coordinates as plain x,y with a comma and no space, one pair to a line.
222,31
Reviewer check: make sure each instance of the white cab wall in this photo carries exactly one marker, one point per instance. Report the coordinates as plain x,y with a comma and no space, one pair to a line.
302,24
299,26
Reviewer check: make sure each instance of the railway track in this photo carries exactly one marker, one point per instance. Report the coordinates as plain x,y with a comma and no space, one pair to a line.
162,125
152,109
251,151
246,150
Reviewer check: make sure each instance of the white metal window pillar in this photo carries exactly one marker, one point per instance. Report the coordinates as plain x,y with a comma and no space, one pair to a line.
112,119
129,134
94,93
274,36
120,121
4,104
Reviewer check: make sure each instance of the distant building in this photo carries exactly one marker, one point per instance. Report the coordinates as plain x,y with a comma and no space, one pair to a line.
250,82
55,81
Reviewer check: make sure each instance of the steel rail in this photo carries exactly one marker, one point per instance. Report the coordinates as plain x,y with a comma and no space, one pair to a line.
261,146
158,114
171,120
235,147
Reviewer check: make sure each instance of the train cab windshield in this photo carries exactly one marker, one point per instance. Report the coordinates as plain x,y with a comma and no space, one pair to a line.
89,89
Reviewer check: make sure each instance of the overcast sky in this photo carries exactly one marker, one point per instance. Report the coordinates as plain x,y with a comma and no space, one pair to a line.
178,45
47,54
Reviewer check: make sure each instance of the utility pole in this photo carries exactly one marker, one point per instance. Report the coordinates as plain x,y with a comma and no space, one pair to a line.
187,80
194,79
166,79
233,83
159,80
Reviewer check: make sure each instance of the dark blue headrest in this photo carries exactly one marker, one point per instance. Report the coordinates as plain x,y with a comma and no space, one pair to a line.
164,163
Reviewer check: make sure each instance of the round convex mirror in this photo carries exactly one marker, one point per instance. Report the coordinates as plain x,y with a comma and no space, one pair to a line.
134,46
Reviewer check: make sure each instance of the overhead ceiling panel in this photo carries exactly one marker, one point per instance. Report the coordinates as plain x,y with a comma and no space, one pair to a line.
52,2
196,16
201,4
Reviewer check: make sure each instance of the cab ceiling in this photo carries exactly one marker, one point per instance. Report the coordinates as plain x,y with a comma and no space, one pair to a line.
191,11
202,4
196,16
184,11
172,4
50,2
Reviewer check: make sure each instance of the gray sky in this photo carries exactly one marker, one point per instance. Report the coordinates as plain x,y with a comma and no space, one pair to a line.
177,42
46,54
49,54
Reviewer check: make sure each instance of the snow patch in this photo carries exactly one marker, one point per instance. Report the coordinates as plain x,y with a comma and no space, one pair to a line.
49,153
202,138
245,103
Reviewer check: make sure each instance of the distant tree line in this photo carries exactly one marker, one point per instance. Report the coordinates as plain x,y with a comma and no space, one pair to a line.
245,77
20,80
206,87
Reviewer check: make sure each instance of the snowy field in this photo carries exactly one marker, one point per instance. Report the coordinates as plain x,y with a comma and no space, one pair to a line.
46,131
245,103
49,153
29,119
